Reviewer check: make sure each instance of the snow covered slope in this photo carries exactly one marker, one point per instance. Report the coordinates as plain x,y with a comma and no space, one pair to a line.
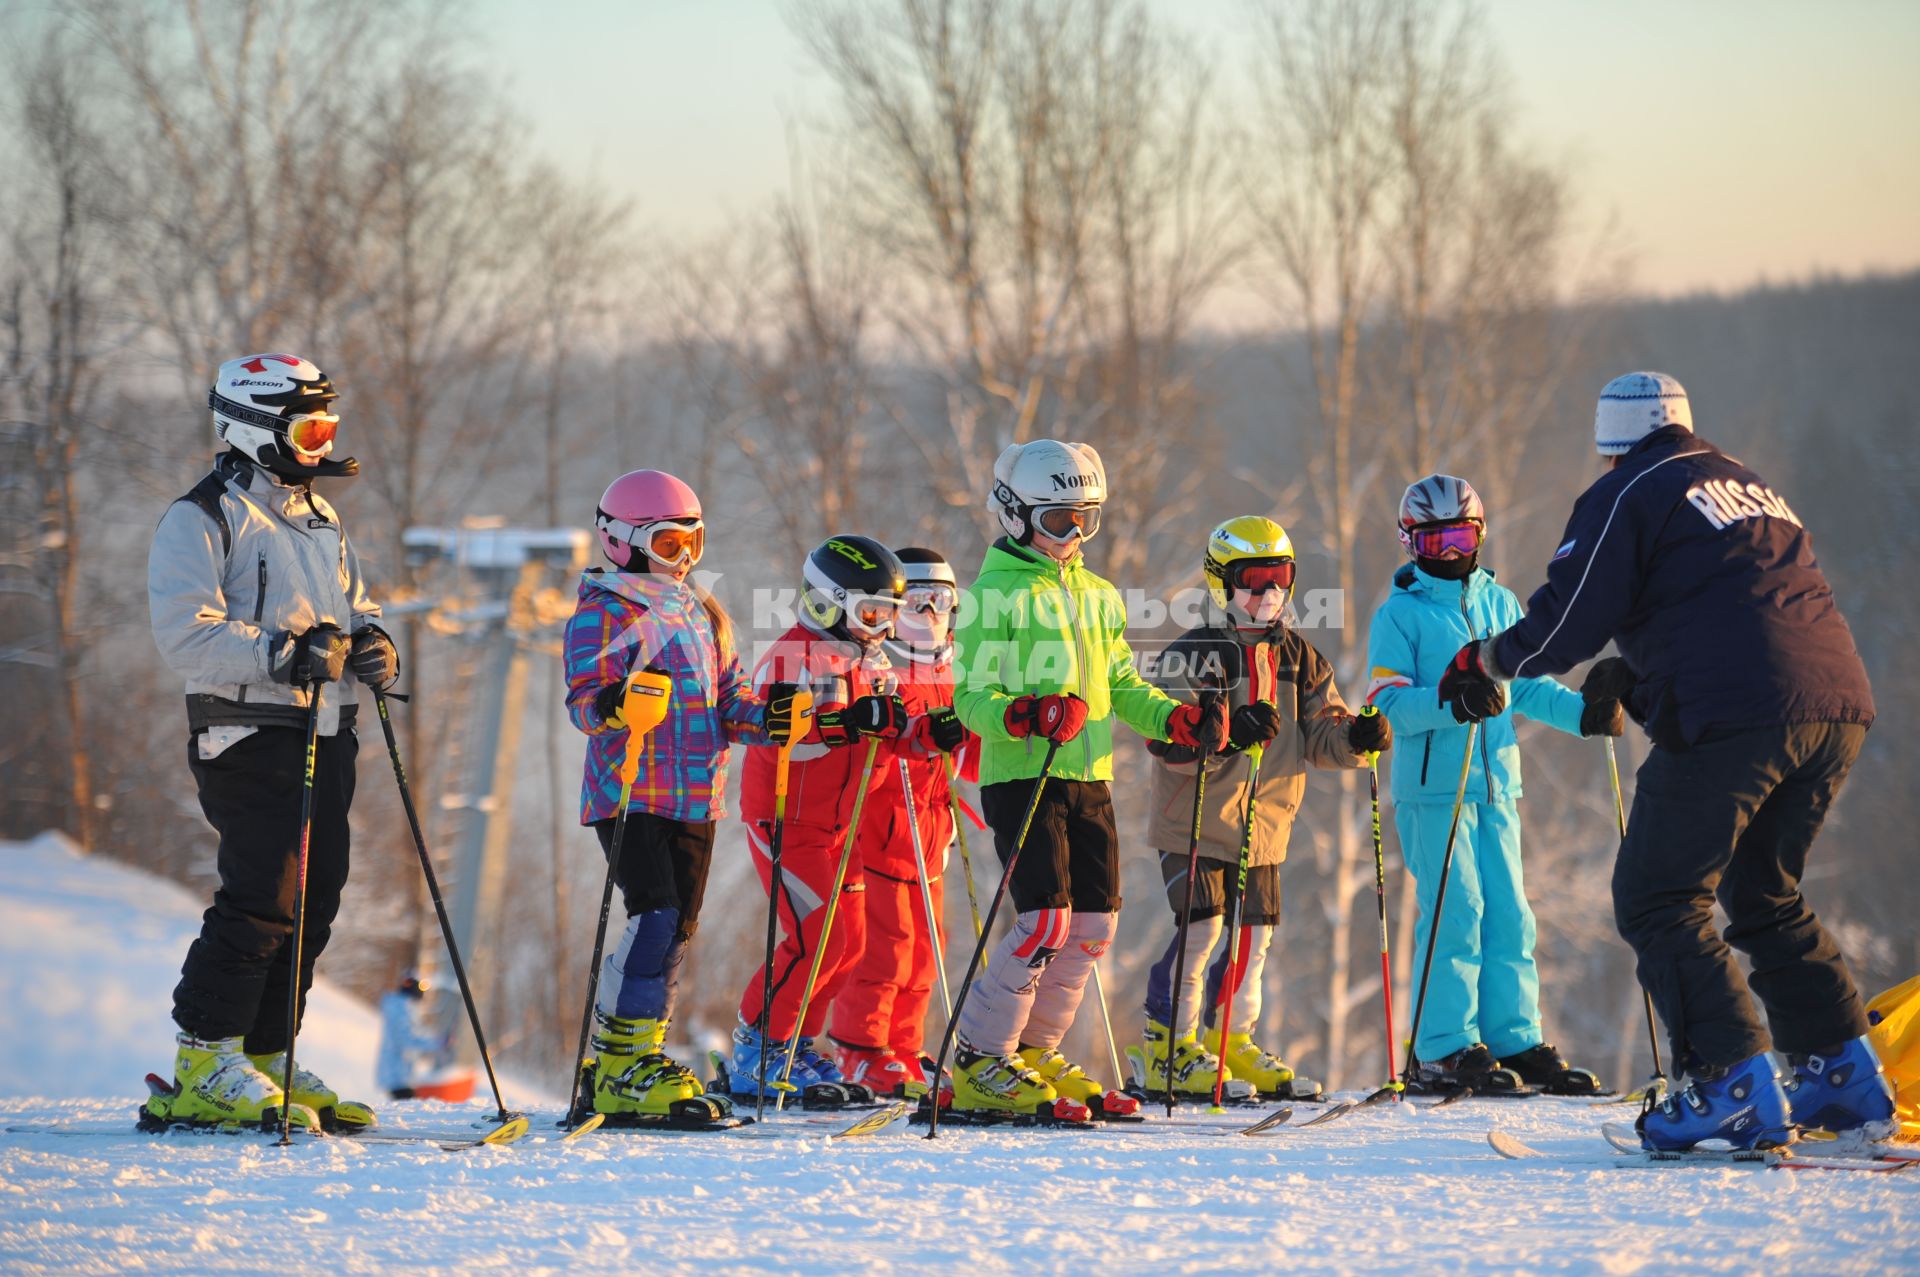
1382,1192
90,950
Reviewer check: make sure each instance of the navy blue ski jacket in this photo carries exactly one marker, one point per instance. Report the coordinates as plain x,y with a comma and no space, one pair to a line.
1706,580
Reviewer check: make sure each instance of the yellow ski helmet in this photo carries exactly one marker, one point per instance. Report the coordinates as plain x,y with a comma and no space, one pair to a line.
1247,541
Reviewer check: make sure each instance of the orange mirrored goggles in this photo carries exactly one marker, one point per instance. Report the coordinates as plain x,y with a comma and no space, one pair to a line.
312,432
672,544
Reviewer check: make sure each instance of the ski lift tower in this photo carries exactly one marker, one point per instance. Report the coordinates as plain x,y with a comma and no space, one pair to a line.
503,601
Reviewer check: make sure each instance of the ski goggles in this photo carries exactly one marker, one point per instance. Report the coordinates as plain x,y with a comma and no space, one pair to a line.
871,615
312,433
1260,575
672,543
939,599
1065,522
1444,540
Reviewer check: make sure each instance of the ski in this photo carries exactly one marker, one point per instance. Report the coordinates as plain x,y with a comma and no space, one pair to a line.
500,1134
873,1123
1627,1155
1343,1107
448,1141
1272,1121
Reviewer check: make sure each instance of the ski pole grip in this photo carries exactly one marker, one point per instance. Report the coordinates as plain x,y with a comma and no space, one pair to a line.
1371,711
643,707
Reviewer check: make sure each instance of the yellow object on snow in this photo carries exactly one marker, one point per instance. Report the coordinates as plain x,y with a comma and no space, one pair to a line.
1896,1039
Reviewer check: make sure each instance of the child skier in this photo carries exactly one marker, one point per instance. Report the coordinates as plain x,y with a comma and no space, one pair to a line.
645,615
258,602
1481,1024
850,595
1281,695
880,1015
1044,656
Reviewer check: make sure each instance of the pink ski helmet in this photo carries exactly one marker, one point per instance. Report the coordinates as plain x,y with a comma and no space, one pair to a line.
636,501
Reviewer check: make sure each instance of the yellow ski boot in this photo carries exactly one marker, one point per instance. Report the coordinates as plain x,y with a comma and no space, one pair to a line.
634,1077
998,1084
1267,1071
1194,1067
335,1113
215,1084
1072,1083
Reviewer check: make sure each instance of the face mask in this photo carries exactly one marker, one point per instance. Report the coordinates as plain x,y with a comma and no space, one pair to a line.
1450,569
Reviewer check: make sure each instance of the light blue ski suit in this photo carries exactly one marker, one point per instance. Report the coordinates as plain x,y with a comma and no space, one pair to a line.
1484,987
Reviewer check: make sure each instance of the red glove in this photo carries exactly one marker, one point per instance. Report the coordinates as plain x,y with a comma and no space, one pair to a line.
1056,718
1202,727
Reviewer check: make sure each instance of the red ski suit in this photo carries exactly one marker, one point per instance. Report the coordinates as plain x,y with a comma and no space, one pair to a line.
823,782
882,1005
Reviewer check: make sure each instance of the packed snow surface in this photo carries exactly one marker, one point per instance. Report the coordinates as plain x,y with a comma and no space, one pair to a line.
1390,1190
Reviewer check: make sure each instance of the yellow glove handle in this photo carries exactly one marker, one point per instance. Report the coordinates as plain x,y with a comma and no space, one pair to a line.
799,723
643,707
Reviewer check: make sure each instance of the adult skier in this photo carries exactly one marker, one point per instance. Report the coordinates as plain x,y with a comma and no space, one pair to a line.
851,587
258,602
879,1017
644,614
1042,646
1280,694
1735,658
413,1055
1481,1023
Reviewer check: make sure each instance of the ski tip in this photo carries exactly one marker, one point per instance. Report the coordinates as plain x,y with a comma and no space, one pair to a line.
509,1131
1509,1147
593,1123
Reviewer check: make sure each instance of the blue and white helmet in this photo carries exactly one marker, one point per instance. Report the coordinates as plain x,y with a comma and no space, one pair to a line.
1634,406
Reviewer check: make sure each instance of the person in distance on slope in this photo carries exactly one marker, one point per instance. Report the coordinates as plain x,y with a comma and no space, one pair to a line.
413,1058
850,594
258,602
879,1018
1044,659
644,615
1481,1023
1735,658
1280,693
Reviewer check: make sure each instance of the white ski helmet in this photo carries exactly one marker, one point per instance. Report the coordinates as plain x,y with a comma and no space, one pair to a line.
1633,406
1043,473
273,407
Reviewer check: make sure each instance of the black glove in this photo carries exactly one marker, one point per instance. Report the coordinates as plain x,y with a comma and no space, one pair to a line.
374,660
777,719
1254,723
1481,700
317,656
606,703
1609,680
884,716
1369,734
1603,718
945,729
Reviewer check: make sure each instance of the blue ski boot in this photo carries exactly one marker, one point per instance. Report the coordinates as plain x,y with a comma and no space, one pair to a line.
813,1076
815,1066
1845,1093
1743,1106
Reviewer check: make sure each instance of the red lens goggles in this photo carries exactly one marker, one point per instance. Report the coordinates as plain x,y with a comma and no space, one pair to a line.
1444,540
1258,578
313,431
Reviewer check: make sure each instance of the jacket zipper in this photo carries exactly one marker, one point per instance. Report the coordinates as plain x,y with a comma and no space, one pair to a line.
1426,756
1080,654
259,604
1486,763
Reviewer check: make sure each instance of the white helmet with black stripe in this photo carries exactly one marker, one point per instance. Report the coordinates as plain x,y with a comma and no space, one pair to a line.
1033,480
1440,498
276,410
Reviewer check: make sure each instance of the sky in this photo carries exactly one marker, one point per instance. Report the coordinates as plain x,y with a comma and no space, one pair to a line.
1729,142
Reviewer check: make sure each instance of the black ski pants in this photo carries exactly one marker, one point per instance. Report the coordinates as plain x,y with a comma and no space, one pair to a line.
1733,818
237,973
1072,856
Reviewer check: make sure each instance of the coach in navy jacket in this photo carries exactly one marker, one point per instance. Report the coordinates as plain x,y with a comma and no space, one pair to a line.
1735,658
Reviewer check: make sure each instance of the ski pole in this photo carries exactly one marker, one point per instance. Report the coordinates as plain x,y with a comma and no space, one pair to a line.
1439,902
802,708
1184,923
1659,1078
926,889
643,707
980,942
380,700
299,912
1237,949
1380,896
960,829
1106,1021
826,927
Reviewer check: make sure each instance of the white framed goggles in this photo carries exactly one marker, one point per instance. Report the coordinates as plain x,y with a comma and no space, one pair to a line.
936,597
672,543
871,615
1067,522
